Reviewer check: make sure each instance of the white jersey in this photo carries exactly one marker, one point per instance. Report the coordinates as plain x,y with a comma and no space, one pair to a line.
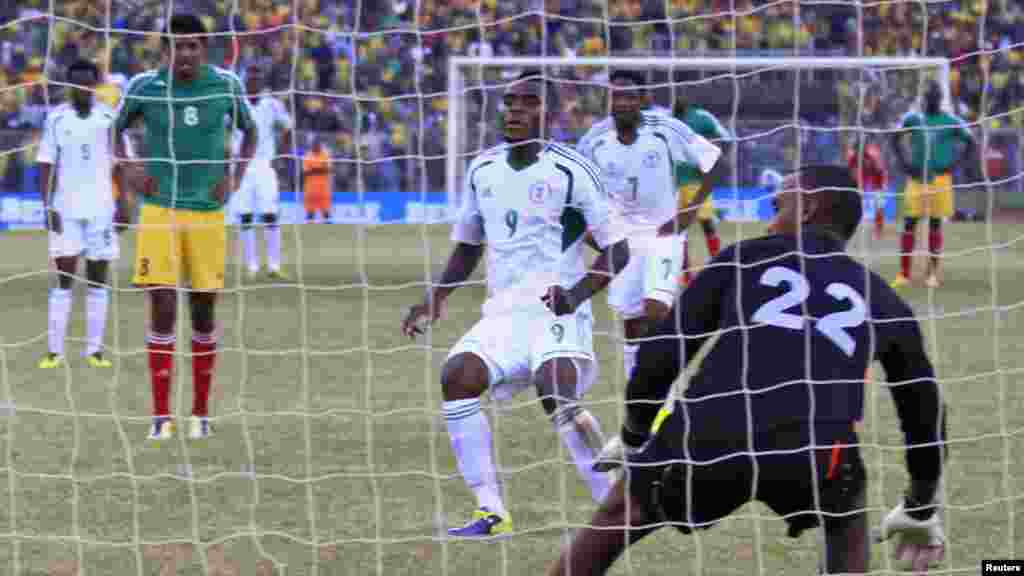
640,177
269,115
533,222
81,150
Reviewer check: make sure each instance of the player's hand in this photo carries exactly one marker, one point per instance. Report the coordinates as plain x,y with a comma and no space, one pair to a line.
54,222
223,190
921,543
560,301
122,217
420,316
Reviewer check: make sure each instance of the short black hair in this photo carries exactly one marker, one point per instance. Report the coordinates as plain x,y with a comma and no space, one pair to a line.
634,76
83,65
536,75
184,24
839,192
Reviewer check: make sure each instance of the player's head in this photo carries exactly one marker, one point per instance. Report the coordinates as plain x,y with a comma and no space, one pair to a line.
83,75
524,106
254,80
628,97
822,196
932,98
185,45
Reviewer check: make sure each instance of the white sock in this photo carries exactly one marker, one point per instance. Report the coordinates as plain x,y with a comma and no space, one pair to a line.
629,358
60,313
581,434
249,249
95,318
470,434
272,234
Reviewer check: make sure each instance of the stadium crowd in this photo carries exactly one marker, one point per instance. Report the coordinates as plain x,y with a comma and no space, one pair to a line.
391,56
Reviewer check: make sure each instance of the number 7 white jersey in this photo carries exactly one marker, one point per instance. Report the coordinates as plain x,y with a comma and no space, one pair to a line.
533,221
640,177
82,153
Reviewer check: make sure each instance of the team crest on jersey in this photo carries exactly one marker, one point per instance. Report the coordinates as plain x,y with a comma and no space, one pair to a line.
539,192
651,159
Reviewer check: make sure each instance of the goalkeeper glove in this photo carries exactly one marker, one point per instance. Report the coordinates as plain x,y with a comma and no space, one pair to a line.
921,540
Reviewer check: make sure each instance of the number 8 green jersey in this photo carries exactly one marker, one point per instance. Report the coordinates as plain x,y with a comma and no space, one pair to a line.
186,131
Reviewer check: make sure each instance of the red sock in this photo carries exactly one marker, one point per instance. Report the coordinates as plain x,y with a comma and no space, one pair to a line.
935,242
161,367
714,244
907,247
204,354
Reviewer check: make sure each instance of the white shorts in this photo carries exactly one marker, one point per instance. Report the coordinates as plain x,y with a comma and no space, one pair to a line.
514,345
258,192
94,238
651,274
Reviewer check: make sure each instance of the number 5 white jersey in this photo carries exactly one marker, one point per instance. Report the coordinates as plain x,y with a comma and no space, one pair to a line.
533,222
640,177
82,152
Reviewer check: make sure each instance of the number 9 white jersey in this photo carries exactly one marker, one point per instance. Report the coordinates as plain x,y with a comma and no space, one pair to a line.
640,177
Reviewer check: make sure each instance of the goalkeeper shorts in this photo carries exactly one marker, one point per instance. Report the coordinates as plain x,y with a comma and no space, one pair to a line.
696,487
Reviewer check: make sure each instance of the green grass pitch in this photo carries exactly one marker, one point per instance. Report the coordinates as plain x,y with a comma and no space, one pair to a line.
329,455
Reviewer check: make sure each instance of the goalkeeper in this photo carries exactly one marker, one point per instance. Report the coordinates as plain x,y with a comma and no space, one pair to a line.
803,298
182,235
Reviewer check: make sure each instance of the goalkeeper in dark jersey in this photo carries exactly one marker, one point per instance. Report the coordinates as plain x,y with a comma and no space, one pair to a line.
798,321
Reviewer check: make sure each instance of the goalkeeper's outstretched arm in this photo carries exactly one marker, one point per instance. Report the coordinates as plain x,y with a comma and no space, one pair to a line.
461,263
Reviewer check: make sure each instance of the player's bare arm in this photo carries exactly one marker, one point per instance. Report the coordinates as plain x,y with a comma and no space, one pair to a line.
607,264
461,264
48,183
686,214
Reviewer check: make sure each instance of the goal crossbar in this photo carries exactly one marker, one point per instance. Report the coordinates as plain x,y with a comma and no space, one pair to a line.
456,86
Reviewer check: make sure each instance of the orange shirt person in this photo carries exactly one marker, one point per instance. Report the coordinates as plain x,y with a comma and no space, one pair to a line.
316,182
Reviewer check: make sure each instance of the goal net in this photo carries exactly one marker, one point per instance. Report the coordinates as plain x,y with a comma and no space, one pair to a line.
329,453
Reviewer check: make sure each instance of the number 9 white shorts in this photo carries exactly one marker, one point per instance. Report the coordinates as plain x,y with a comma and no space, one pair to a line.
514,345
95,239
652,273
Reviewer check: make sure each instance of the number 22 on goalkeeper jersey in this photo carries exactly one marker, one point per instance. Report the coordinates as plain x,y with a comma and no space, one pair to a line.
533,221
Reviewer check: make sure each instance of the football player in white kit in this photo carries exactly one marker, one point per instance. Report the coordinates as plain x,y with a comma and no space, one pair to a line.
258,193
532,204
76,162
637,151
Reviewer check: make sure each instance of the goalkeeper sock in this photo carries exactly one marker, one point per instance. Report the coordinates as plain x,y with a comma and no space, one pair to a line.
204,356
470,435
161,366
249,249
714,244
95,318
906,253
629,358
581,434
60,313
272,234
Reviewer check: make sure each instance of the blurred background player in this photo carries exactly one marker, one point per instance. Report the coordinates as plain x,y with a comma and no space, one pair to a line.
258,193
76,176
181,231
872,177
637,151
689,176
697,468
316,182
934,136
532,204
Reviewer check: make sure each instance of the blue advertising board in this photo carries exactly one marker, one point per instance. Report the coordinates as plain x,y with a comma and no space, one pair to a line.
25,210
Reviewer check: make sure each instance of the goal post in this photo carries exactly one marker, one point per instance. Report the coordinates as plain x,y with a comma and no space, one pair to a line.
457,154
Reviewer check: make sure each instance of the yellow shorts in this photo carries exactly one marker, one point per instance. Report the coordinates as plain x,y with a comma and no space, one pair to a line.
933,200
171,242
688,192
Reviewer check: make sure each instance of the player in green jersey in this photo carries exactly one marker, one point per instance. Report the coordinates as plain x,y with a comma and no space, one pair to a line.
688,178
935,137
183,107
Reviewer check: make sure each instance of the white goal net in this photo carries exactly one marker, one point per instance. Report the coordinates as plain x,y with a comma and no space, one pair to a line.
329,453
